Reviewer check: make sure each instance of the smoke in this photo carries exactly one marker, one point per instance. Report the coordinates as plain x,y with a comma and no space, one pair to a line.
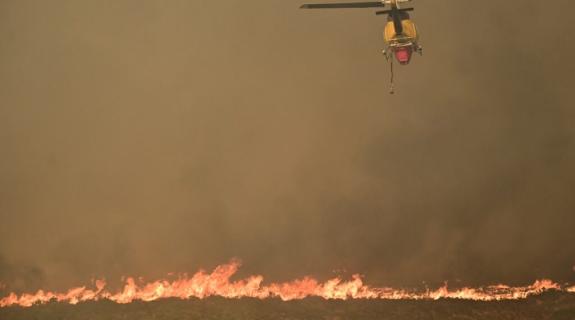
143,137
19,277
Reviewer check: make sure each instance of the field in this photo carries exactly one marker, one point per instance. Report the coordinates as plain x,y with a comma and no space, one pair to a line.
552,305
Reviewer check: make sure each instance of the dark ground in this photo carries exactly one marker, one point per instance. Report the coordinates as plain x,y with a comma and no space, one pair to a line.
548,306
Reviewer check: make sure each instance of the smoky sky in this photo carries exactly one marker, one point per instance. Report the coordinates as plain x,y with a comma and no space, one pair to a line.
142,137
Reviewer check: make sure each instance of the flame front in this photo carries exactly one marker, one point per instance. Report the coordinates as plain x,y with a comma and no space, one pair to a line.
202,285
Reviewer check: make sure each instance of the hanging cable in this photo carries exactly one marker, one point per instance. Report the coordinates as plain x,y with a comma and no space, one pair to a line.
391,87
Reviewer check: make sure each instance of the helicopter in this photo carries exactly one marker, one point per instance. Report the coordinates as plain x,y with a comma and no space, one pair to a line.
400,33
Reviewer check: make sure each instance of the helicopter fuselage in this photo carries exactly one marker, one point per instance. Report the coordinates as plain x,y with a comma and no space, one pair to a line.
400,35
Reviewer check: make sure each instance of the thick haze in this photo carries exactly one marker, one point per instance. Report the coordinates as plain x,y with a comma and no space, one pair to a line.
146,137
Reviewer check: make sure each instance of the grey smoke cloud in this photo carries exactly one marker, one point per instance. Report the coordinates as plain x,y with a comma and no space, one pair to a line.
147,137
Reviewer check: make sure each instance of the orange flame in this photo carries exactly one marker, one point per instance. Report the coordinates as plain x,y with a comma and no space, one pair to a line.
202,285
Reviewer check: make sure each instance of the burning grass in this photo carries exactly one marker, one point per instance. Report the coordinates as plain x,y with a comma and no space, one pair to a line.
550,305
218,284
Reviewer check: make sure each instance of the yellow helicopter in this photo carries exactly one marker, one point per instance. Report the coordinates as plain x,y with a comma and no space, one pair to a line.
400,33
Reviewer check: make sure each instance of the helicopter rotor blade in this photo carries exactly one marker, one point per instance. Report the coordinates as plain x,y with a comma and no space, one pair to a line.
389,11
343,5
